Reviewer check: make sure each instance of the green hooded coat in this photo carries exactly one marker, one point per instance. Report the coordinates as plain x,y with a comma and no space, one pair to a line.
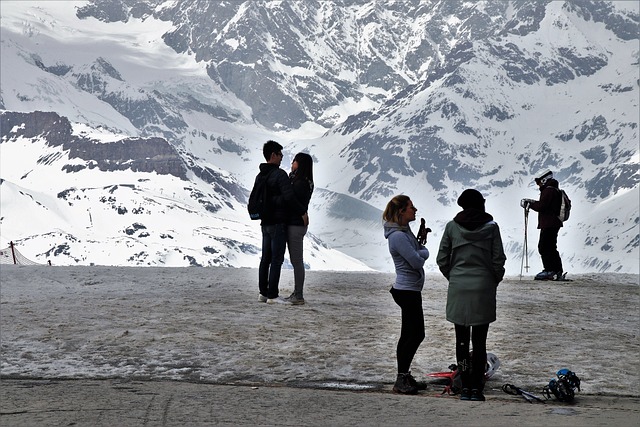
472,258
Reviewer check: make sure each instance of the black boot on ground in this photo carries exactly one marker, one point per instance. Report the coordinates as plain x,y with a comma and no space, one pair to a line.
464,380
465,394
420,385
476,395
478,367
403,385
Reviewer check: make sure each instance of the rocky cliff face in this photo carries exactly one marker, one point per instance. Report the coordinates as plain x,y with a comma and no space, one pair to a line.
135,154
306,57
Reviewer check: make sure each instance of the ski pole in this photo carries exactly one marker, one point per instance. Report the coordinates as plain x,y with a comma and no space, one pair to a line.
525,247
513,390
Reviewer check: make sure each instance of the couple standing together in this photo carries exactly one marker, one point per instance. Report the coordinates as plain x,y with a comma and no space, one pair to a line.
471,257
284,222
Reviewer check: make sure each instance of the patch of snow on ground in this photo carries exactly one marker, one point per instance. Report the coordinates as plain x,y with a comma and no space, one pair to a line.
206,325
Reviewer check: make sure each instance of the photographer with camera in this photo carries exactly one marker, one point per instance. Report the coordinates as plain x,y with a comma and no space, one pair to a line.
548,208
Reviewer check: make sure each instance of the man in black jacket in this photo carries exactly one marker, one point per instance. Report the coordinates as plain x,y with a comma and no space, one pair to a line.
274,222
548,208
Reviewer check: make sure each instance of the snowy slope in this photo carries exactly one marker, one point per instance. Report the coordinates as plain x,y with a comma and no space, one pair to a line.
122,217
424,98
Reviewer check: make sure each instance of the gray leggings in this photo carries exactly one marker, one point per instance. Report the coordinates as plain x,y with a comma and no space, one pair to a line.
295,236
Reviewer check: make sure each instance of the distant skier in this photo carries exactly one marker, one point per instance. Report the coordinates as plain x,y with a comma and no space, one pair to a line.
548,208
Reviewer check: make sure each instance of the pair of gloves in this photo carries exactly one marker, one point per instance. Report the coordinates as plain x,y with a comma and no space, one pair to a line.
526,202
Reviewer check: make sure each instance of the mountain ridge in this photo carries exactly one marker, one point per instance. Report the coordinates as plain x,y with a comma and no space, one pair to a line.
425,98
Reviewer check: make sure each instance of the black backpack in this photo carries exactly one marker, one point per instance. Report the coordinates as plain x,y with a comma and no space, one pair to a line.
258,198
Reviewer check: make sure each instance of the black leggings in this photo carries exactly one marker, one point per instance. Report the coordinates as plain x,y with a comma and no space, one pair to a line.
412,332
472,368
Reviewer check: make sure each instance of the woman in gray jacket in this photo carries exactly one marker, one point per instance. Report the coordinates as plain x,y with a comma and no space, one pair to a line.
408,257
472,258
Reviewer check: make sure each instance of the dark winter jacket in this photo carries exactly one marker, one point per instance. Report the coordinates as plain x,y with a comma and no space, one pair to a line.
548,207
281,201
472,258
302,189
408,256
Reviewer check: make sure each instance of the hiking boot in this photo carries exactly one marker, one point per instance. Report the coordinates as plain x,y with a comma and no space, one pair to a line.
262,298
403,385
419,385
477,396
546,275
465,394
277,300
295,299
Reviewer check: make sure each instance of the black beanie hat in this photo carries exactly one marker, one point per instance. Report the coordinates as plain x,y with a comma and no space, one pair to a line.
471,199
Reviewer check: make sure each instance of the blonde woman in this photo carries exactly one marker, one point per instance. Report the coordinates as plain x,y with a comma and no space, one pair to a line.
408,257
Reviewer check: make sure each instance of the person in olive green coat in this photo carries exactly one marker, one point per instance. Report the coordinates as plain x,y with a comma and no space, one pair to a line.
472,259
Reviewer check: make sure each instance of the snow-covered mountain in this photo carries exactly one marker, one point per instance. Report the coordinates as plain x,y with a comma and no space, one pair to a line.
131,130
133,201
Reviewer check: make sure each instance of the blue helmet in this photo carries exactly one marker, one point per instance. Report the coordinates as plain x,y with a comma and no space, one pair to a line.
564,387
